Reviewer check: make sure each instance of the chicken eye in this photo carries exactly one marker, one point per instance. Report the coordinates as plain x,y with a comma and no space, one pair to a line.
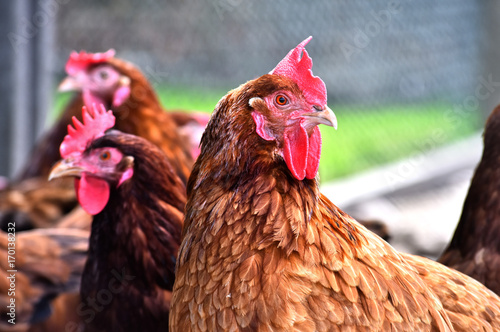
103,75
105,156
281,100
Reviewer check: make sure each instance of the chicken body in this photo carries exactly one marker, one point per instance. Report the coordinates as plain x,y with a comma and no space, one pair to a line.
129,273
475,246
263,250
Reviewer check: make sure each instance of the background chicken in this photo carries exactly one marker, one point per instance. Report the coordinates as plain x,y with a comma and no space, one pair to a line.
36,203
121,87
474,248
137,200
49,265
263,250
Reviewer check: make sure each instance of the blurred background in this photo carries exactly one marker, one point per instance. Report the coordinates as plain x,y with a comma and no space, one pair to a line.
411,83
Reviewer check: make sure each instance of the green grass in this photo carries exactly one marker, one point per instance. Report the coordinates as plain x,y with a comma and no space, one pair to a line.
366,137
60,100
187,98
374,137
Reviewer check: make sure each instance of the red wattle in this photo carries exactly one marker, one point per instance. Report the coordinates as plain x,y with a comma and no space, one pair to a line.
314,154
92,193
301,152
295,151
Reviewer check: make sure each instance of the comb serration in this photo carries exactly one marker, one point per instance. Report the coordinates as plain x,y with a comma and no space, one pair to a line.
78,61
94,125
297,65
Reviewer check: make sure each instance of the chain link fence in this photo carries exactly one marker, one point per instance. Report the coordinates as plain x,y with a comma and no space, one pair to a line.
404,55
368,52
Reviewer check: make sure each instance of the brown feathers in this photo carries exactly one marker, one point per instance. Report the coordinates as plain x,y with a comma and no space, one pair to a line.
142,115
36,203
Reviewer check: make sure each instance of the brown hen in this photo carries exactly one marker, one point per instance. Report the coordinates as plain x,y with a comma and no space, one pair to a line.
137,201
264,250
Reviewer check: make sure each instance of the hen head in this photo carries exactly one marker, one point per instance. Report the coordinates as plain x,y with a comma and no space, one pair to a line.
99,81
286,106
93,159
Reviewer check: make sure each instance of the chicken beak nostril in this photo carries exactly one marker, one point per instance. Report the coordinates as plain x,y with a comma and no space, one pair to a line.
65,168
321,116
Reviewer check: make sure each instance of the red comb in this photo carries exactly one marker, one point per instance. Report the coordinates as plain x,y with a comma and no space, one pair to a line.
79,61
93,126
299,70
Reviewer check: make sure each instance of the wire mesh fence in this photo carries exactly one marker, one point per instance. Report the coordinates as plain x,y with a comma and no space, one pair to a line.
383,62
373,56
367,52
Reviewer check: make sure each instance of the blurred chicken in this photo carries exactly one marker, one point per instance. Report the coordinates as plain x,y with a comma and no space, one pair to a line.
475,246
35,202
378,227
264,250
137,200
121,87
47,264
191,127
101,78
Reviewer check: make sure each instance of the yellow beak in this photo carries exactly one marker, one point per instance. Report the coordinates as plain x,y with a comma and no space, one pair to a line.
64,168
69,83
322,116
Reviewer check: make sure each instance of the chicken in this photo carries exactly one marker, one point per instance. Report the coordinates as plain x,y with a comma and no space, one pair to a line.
474,248
101,78
137,200
191,127
120,86
264,250
46,264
